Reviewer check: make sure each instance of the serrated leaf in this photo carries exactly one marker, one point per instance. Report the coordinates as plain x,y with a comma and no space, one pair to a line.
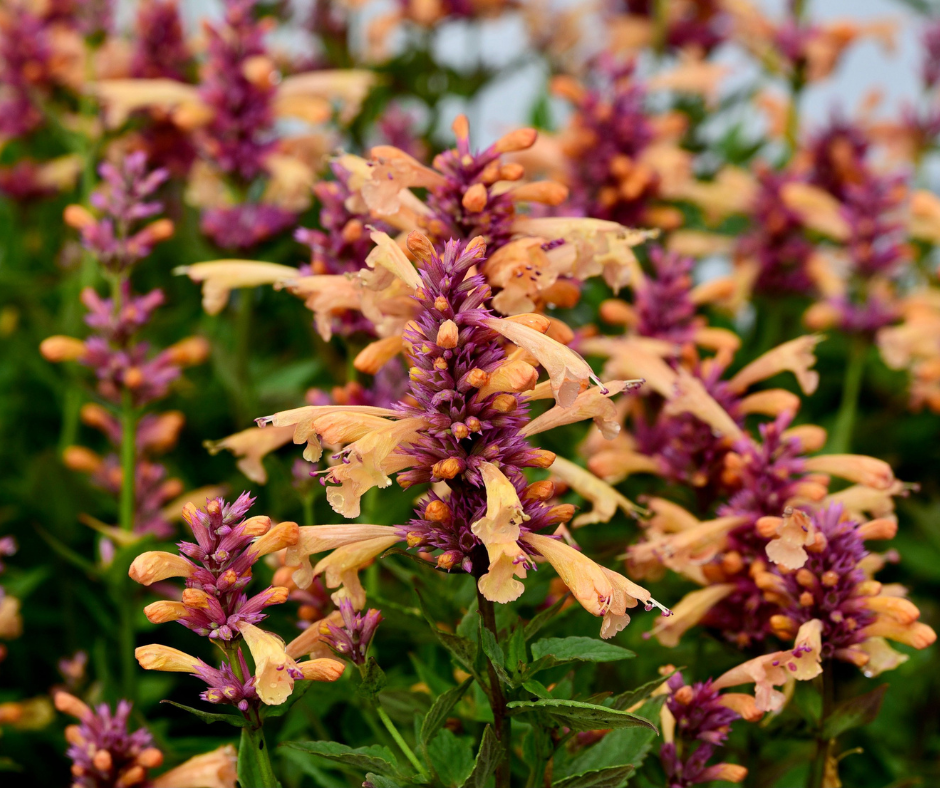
486,761
543,618
374,758
209,717
373,681
580,716
854,712
437,716
631,697
451,757
515,650
612,777
583,649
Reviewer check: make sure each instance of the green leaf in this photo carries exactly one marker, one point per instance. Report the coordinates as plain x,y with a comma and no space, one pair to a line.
541,619
464,651
451,757
209,717
487,760
854,713
375,757
536,688
621,747
612,777
631,697
378,781
579,716
515,650
253,765
373,680
582,649
437,716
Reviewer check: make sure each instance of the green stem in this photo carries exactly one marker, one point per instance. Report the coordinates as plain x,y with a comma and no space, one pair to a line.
501,722
246,401
128,641
841,439
128,459
827,688
306,501
264,777
402,744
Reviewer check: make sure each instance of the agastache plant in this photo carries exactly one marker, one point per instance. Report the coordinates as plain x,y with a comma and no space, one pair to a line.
465,427
217,568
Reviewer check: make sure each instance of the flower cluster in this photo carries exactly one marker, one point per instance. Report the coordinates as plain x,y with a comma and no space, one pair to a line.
105,754
217,568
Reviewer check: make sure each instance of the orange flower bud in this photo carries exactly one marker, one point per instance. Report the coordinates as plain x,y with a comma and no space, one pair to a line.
78,458
150,758
437,512
59,348
420,246
475,198
102,761
155,565
78,217
189,352
539,491
504,403
517,140
69,704
195,598
447,469
447,335
280,536
164,611
542,458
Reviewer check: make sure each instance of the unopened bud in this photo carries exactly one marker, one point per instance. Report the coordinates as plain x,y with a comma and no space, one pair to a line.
511,172
156,565
539,491
807,599
133,776
547,192
882,528
473,424
617,312
256,526
259,70
160,230
189,352
684,695
732,562
447,335
830,578
504,403
477,378
59,348
78,217
420,246
806,578
783,625
561,513
352,231
448,560
449,468
133,378
165,611
195,598
102,761
280,536
532,320
437,512
475,198
69,704
73,735
78,458
542,458
517,140
441,304
150,758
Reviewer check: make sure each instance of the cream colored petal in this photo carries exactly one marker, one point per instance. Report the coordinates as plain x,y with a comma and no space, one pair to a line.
690,610
594,403
690,396
275,671
605,499
216,769
389,257
585,579
251,446
220,277
796,356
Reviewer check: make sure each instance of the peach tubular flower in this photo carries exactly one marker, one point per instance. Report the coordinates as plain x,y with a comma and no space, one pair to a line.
568,372
690,396
792,534
387,260
313,539
683,552
341,567
155,565
601,592
340,424
781,667
326,295
215,769
881,656
796,356
633,359
594,403
367,464
394,172
605,499
691,609
603,247
498,529
121,97
220,277
816,209
275,671
164,658
857,468
251,446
